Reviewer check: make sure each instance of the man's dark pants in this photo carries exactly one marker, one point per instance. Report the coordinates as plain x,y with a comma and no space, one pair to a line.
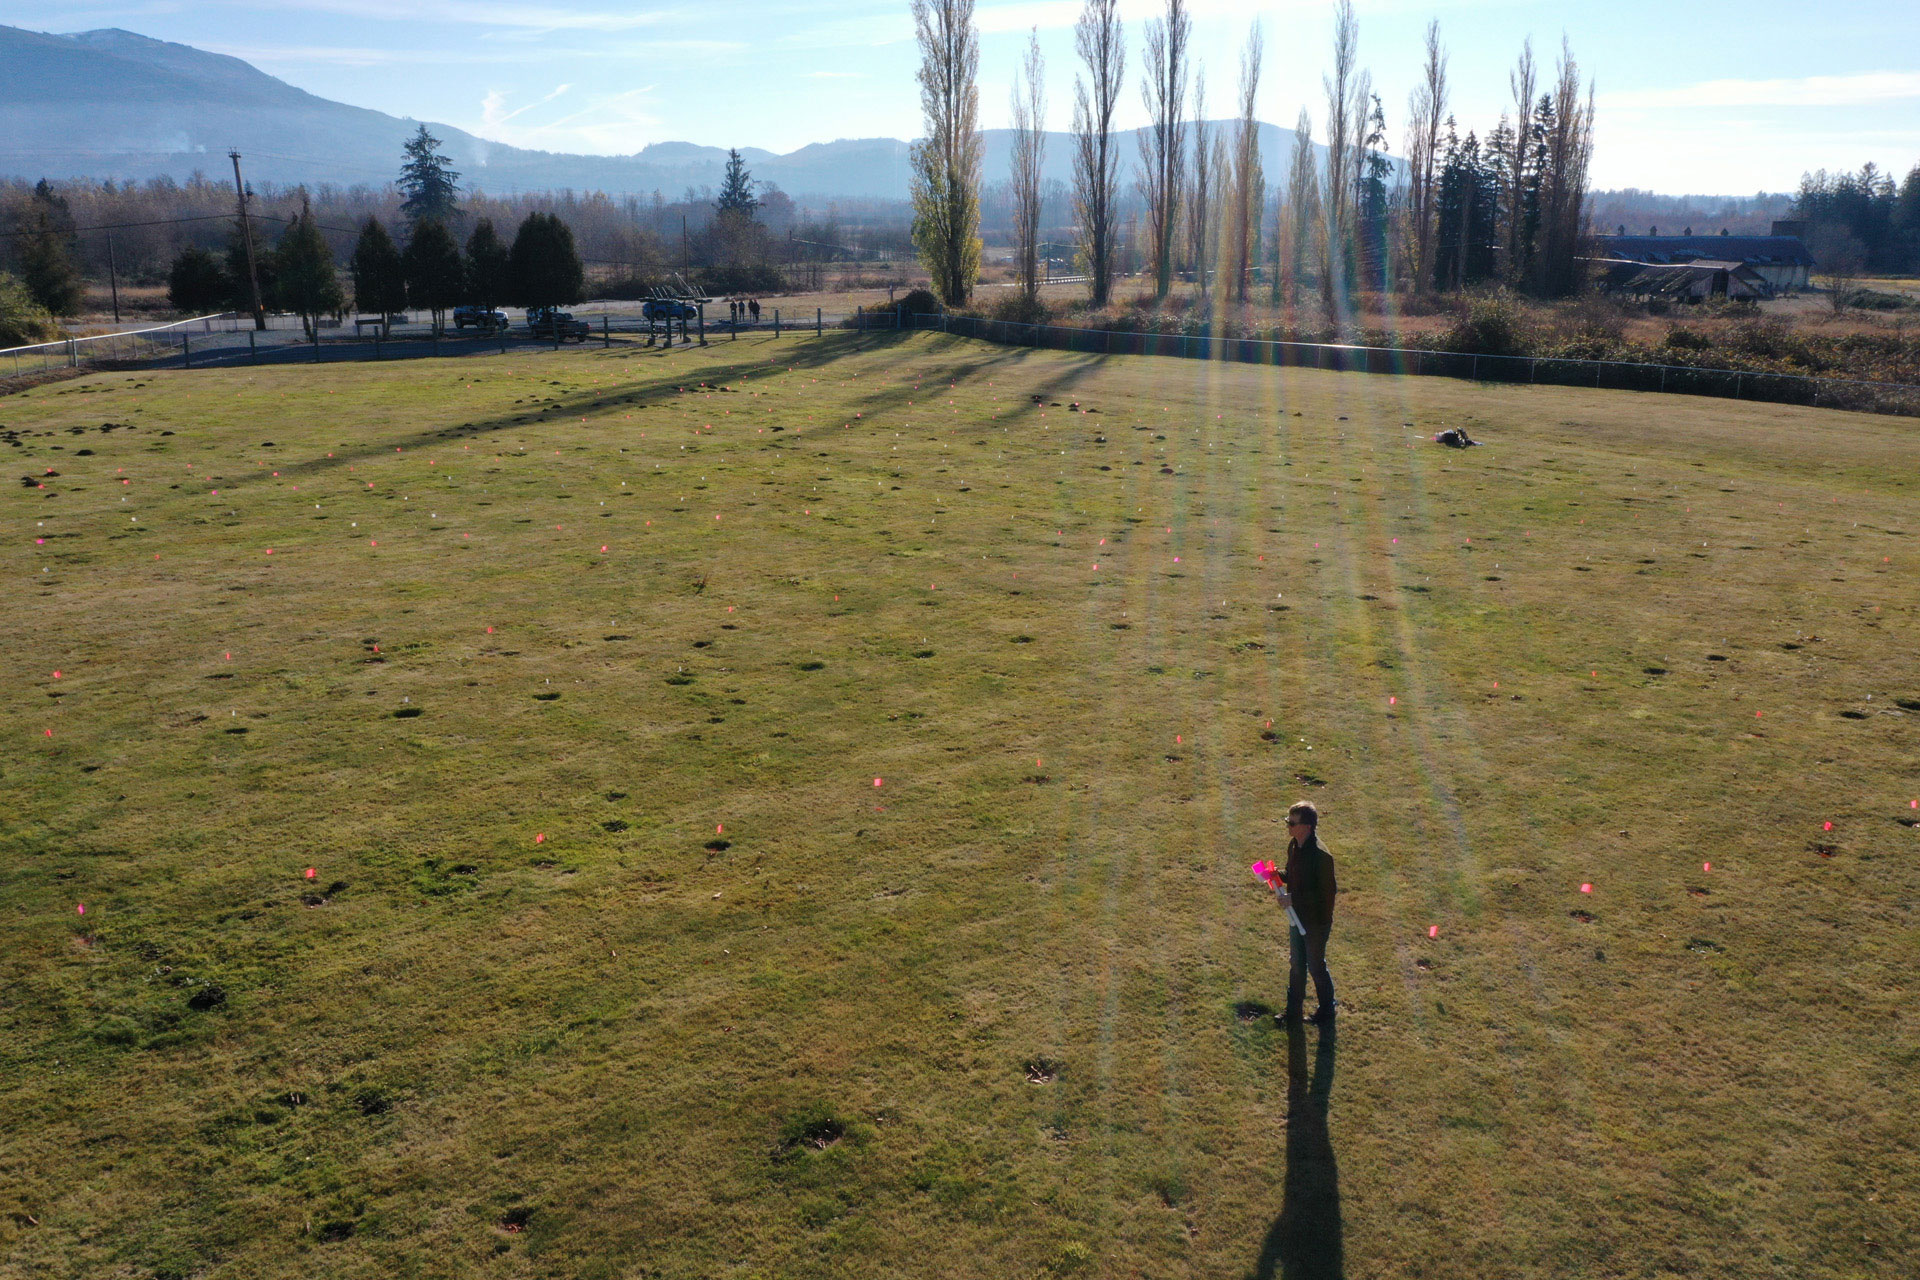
1309,956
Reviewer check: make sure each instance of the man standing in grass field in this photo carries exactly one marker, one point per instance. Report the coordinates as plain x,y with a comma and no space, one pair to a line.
1306,889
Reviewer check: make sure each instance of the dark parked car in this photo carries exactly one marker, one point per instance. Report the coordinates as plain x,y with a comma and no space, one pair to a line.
545,322
486,318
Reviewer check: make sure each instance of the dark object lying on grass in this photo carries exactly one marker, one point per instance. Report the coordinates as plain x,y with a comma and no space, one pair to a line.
1455,438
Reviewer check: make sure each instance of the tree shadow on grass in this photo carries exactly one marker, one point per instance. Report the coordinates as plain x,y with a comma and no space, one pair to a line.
1306,1241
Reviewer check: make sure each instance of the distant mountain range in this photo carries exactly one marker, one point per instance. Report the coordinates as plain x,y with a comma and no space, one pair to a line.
113,104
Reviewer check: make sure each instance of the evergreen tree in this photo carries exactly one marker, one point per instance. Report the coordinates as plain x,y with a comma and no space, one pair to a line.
1370,220
428,181
736,188
379,285
197,283
22,320
46,253
1906,216
1534,182
434,274
545,271
1866,209
489,266
1467,232
305,282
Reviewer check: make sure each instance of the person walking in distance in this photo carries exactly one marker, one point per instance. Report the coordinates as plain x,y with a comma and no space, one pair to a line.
1307,889
753,305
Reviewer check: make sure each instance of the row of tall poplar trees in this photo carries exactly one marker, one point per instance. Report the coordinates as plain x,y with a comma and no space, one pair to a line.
1459,213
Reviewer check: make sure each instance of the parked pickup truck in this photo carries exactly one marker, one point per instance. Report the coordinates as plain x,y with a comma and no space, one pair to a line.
669,309
545,322
486,318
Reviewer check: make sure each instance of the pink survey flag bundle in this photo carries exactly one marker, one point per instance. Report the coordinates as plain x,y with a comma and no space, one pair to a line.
1271,875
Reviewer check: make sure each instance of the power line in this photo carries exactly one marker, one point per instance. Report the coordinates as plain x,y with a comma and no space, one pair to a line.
115,226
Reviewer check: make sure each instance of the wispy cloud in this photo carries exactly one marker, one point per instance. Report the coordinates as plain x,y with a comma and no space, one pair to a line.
1860,88
606,124
492,107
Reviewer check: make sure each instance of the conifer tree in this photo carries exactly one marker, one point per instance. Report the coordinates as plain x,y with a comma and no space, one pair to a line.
305,282
46,253
434,273
736,188
428,181
544,269
197,284
489,266
379,286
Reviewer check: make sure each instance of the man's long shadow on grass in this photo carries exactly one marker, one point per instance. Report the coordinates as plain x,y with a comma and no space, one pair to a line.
1305,1241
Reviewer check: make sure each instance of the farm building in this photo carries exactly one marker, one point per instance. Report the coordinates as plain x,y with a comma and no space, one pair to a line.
1695,281
1782,261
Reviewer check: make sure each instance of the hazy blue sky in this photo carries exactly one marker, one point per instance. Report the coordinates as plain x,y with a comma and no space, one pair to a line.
1693,97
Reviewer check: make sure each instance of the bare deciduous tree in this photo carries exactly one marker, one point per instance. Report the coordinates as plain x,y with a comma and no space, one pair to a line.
1200,194
1521,80
1426,109
1029,149
945,179
1163,142
1343,145
1249,184
1563,199
1097,39
1303,202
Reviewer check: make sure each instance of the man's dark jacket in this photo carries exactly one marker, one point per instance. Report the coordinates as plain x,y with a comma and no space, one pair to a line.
1310,884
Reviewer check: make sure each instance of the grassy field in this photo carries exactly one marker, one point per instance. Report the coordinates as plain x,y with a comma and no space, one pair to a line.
783,810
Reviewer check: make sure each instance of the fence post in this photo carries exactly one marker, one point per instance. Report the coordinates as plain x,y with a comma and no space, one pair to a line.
253,351
1736,386
816,322
776,322
186,352
316,339
703,324
606,339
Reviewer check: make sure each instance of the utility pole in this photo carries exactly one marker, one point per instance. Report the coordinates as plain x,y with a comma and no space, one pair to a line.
246,233
113,277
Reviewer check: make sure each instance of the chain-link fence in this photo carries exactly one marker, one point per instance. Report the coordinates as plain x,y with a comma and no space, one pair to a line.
127,348
230,339
233,339
1782,388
